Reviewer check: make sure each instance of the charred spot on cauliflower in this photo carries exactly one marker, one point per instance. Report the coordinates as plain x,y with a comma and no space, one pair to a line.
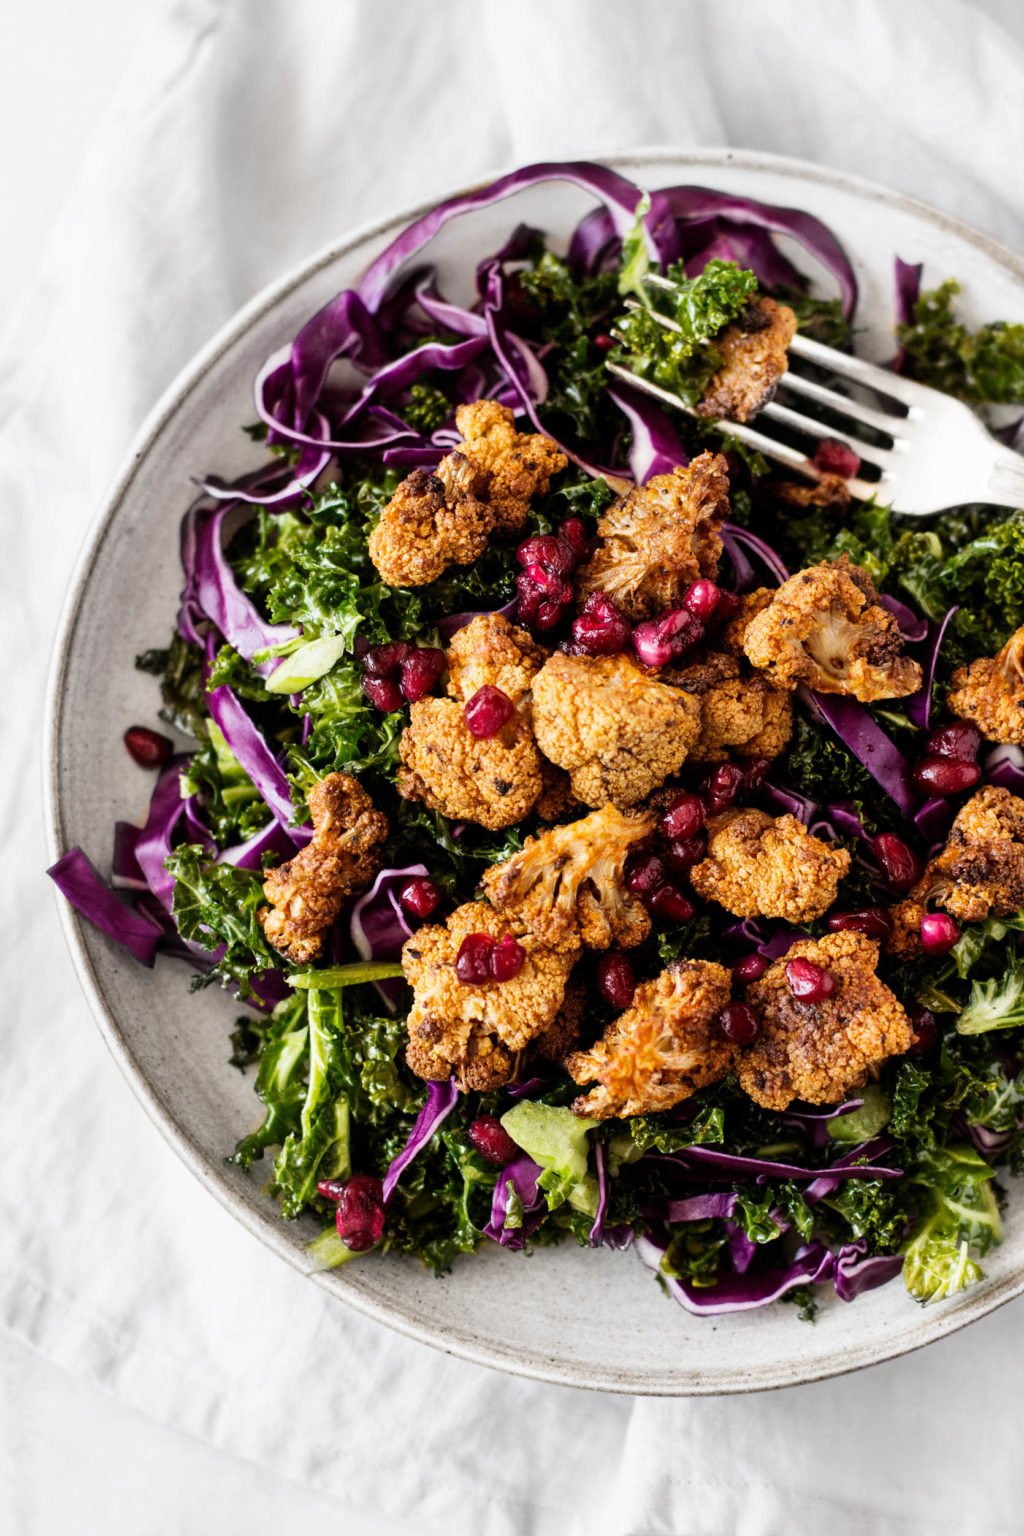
991,693
567,886
435,519
754,351
821,1051
768,866
662,1049
477,1032
825,627
493,781
519,465
618,732
978,874
492,651
742,715
659,538
307,893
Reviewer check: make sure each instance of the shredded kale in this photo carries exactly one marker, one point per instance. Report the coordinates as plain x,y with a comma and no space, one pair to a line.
981,366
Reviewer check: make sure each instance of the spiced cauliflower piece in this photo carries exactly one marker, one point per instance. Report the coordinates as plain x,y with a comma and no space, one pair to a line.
754,351
739,714
307,893
991,693
617,731
493,781
492,651
435,519
826,627
477,1032
658,538
567,886
519,465
750,605
820,1052
768,866
662,1049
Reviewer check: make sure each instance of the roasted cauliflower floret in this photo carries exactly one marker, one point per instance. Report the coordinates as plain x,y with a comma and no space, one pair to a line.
768,866
829,490
750,605
557,799
821,1051
434,519
567,886
477,1031
519,465
554,1043
825,627
662,1049
618,732
991,693
659,538
742,715
494,781
490,650
307,893
754,351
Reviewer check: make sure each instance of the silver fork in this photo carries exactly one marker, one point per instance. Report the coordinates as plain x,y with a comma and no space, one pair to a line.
940,454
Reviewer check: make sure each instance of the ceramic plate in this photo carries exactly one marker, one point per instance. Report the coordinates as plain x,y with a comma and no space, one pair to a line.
591,1319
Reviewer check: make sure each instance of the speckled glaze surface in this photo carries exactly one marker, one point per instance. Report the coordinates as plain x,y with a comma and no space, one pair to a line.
569,1315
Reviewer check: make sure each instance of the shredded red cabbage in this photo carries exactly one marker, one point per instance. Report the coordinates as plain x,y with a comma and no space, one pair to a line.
811,1265
919,705
523,1175
857,728
857,1271
440,1101
80,883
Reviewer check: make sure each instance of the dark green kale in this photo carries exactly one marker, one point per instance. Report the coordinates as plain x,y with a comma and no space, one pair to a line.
180,669
232,806
569,313
981,366
216,904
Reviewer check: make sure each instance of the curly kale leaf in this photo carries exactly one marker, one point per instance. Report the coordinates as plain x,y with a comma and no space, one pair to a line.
232,807
215,905
982,366
567,311
180,670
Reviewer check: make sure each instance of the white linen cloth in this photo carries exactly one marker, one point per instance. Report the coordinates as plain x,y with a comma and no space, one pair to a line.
248,133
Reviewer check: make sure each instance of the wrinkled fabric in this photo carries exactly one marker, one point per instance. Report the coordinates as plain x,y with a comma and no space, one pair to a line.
247,134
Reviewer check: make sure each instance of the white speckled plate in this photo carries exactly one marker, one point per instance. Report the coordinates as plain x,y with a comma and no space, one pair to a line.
567,1315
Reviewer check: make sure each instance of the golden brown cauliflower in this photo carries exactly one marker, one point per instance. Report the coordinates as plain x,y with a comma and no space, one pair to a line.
768,866
494,781
519,465
618,732
659,538
750,605
825,627
742,715
554,1043
754,351
557,799
828,490
477,1031
821,1051
491,651
343,856
567,886
663,1048
434,519
991,693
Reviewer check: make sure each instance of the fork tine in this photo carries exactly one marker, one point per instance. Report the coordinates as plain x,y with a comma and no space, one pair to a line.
858,371
866,451
866,415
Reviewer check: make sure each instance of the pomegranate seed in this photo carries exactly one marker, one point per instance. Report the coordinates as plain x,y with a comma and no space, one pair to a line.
739,1023
421,671
148,748
360,1213
945,775
900,864
727,607
489,1137
938,933
383,693
682,853
809,982
684,817
754,774
960,740
670,903
603,342
420,896
750,968
616,979
550,584
487,711
473,962
547,552
659,641
644,873
702,600
331,1189
574,533
870,920
833,457
722,787
550,615
385,660
535,608
507,959
925,1030
600,629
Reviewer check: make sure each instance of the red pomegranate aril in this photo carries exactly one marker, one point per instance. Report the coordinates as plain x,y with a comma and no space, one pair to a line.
385,660
727,607
702,600
383,693
616,979
603,342
489,1137
809,982
420,896
473,961
945,775
659,641
682,853
683,818
360,1214
644,873
574,532
939,933
421,671
750,968
487,711
722,788
600,628
670,903
870,920
925,1030
961,740
549,615
739,1023
547,552
550,584
900,864
755,771
833,457
331,1189
507,959
148,748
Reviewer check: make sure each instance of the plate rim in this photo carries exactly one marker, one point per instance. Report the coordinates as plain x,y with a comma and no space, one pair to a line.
265,1225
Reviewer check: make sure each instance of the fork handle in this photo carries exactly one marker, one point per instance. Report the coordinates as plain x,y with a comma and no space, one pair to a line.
1006,481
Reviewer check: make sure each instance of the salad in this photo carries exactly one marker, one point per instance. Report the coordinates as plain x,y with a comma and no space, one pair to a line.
609,839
